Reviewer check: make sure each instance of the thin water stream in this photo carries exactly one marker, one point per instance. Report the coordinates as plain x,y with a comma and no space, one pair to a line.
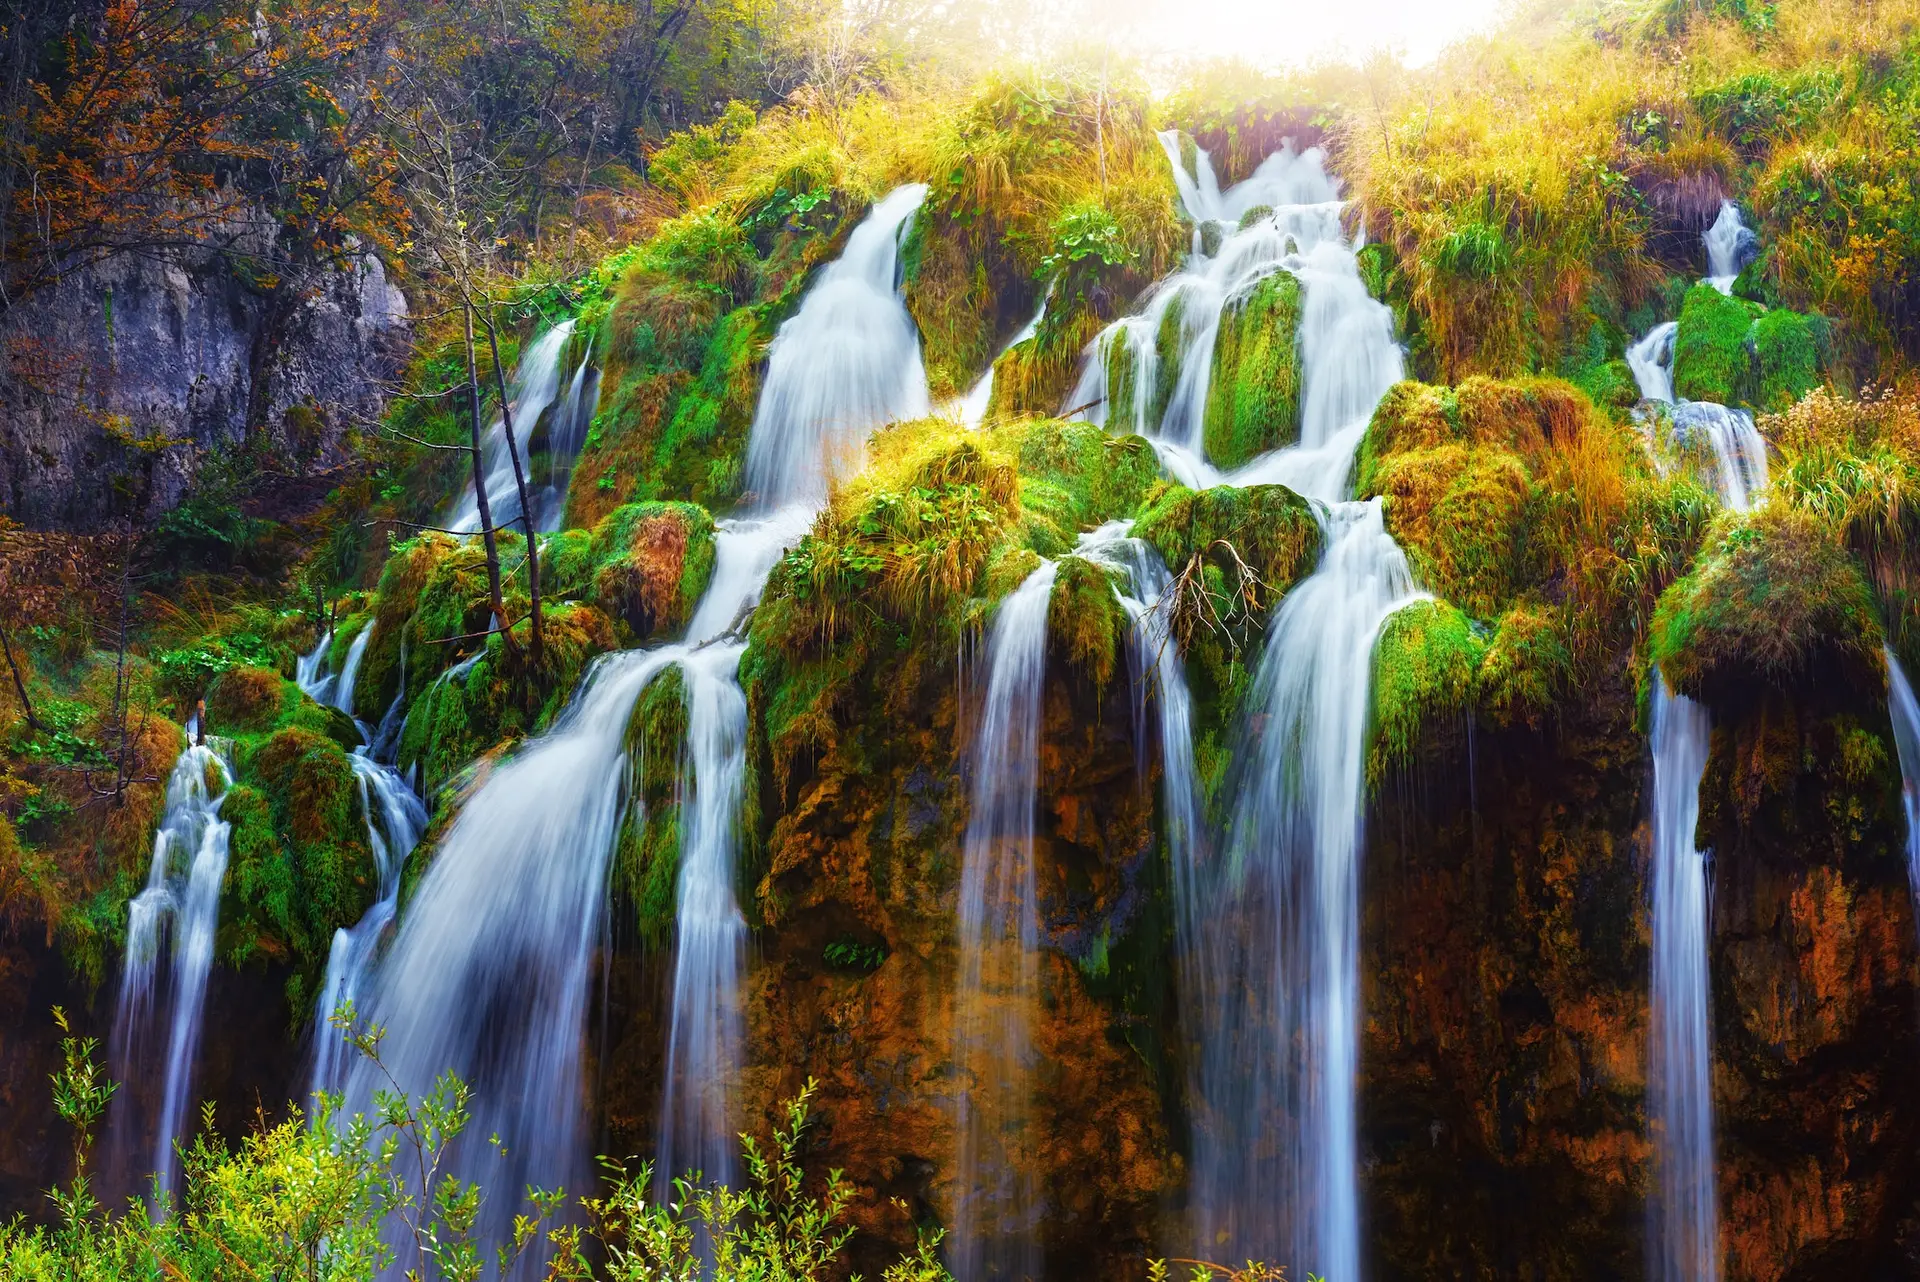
180,906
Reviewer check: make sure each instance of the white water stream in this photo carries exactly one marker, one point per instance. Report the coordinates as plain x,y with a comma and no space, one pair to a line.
181,906
535,389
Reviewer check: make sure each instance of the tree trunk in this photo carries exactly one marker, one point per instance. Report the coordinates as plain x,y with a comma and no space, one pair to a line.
520,483
480,492
19,686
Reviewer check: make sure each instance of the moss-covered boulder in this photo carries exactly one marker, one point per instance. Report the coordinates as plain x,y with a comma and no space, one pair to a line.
1086,624
649,565
1074,476
1461,514
1253,396
1424,666
646,864
481,706
1787,352
1268,528
246,699
1771,601
1710,357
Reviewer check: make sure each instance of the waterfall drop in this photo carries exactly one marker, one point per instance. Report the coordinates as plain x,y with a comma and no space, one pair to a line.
999,931
181,901
847,362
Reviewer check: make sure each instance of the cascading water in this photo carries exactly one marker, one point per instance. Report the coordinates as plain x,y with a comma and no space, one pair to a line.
181,900
999,934
1304,213
1683,1231
1270,933
1905,715
535,387
971,409
488,975
703,1046
395,820
847,362
1730,247
1684,1242
1739,453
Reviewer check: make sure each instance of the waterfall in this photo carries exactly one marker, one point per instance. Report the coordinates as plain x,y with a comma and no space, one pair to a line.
1303,213
697,1124
1270,934
181,900
350,674
535,386
1281,1049
1739,453
566,432
971,409
1683,1232
395,820
1684,1245
310,670
489,973
1730,247
999,935
847,362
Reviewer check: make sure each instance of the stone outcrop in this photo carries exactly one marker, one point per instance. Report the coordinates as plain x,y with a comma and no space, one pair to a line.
119,384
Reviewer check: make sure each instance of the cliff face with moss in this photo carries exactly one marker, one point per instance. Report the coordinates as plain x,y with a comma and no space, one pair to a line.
1565,535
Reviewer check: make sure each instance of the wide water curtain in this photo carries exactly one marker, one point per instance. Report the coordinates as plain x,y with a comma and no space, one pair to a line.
999,928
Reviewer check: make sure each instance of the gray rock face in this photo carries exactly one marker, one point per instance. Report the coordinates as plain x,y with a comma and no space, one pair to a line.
118,385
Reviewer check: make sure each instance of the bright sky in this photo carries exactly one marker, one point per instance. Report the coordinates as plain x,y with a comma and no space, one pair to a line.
1273,32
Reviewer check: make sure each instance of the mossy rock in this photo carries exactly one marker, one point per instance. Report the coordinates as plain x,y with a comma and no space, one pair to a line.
1424,667
1771,601
1527,668
650,565
1711,361
258,900
1129,406
1524,416
492,703
314,798
1787,351
1272,529
1075,475
1086,624
1461,513
1253,395
646,866
243,700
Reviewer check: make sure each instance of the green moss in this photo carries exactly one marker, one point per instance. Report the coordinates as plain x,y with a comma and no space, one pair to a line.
1461,513
1272,529
317,875
646,865
1424,664
1771,601
246,699
1710,357
1786,347
461,716
1085,620
650,564
1527,668
1075,474
1253,396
